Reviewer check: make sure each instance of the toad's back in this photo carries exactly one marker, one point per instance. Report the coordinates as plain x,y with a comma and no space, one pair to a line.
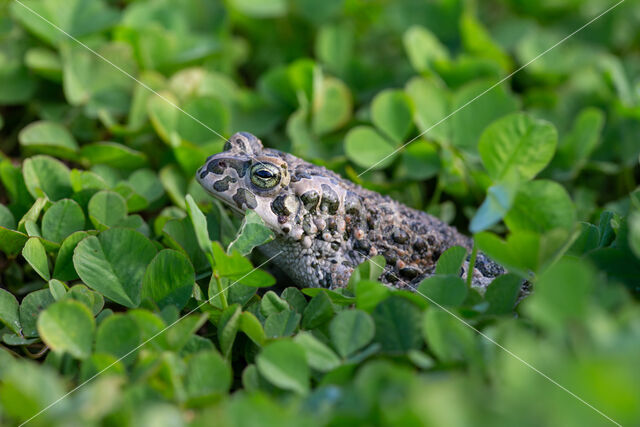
326,225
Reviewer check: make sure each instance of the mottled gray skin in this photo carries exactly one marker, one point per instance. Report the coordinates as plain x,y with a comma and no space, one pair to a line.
326,225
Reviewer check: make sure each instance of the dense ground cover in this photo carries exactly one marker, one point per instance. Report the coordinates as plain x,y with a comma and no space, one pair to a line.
106,239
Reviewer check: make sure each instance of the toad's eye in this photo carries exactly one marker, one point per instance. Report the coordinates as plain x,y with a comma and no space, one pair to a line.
265,175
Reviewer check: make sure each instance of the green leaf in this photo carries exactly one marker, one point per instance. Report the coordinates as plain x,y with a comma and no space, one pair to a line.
200,226
449,290
576,148
620,265
517,146
541,206
369,293
562,293
11,242
210,111
271,303
114,263
423,48
33,214
318,311
319,356
208,376
351,330
431,106
92,81
146,183
30,307
370,269
99,364
477,40
250,325
27,389
135,202
7,219
502,294
48,138
174,184
57,289
334,45
515,253
67,326
253,232
336,297
397,325
284,364
419,161
61,220
450,262
107,209
182,330
119,335
169,279
228,326
587,240
365,147
113,154
262,9
46,176
448,338
64,269
36,256
391,112
91,299
282,324
332,105
44,62
495,206
77,18
9,311
179,234
474,107
295,298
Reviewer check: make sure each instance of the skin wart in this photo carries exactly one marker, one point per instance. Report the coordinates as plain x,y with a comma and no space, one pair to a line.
326,225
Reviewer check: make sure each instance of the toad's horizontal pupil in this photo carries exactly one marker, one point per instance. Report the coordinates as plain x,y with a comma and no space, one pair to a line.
263,173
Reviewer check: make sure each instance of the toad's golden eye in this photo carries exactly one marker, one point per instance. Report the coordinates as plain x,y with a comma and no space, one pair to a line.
265,175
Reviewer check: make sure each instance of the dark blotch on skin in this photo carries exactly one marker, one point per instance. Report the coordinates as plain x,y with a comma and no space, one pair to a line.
301,175
204,173
409,272
310,200
278,207
217,166
400,236
363,245
419,245
391,278
391,257
223,184
240,144
244,197
329,202
352,203
240,166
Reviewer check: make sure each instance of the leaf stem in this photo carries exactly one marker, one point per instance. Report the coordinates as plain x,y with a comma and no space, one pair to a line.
221,291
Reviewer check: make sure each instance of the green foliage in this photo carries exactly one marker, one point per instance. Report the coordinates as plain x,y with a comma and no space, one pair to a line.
114,261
